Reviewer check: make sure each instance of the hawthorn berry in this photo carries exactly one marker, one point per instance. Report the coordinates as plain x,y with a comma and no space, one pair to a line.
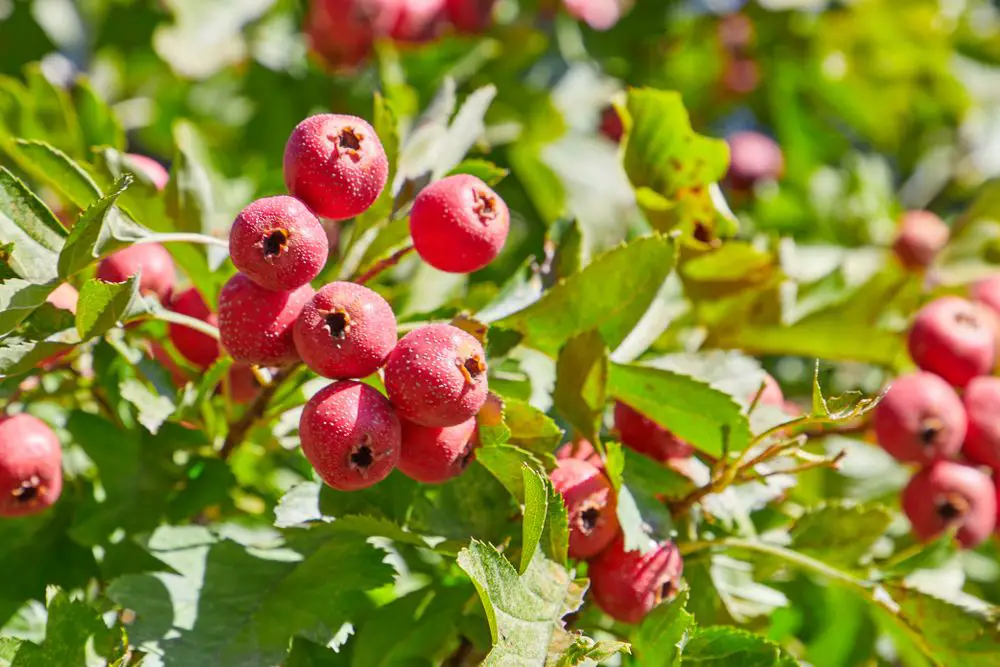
598,14
920,419
753,157
611,124
158,275
921,236
582,450
639,432
417,20
987,292
342,32
951,495
278,243
459,224
953,338
436,376
256,324
433,455
982,405
30,466
470,16
336,165
200,349
152,169
351,435
590,503
64,297
627,585
243,384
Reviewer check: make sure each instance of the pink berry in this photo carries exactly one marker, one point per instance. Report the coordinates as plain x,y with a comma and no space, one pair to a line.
771,395
639,432
351,435
753,157
922,235
64,297
345,331
987,292
30,466
598,14
200,349
158,275
417,20
954,339
627,585
433,455
255,324
336,165
946,495
611,124
436,376
982,404
243,384
278,243
459,224
920,419
342,32
590,503
152,169
581,450
471,16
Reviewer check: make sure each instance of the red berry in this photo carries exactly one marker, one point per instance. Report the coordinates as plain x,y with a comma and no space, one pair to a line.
611,124
639,432
628,584
471,16
200,349
417,20
590,503
278,243
436,376
459,224
946,495
336,165
954,339
982,404
30,466
598,14
920,419
157,266
342,31
255,324
351,435
243,384
345,331
159,353
433,455
922,235
987,292
582,450
152,169
753,157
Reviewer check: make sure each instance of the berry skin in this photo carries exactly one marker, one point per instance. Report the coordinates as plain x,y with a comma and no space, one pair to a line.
982,404
351,435
345,331
753,157
417,20
920,419
336,165
582,450
65,297
948,494
152,169
645,436
434,455
590,503
158,275
243,385
255,324
628,584
459,224
470,16
922,235
953,338
611,124
30,466
436,376
200,349
598,14
342,32
278,243
987,292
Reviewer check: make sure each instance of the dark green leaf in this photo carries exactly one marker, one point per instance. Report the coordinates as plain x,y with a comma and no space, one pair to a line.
657,642
71,624
722,646
555,538
27,223
97,120
536,502
840,534
59,171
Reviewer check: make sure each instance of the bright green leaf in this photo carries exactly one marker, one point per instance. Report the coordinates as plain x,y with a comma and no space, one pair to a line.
102,305
535,509
581,383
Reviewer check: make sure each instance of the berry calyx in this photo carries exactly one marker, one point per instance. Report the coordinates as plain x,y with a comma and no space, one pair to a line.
982,405
922,235
459,224
753,157
642,434
953,338
158,275
256,324
920,419
345,331
590,503
949,495
200,349
433,455
30,466
627,585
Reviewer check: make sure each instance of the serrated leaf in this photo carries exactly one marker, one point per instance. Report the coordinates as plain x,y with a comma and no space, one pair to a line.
555,537
536,501
102,305
153,409
484,170
71,625
27,223
722,646
657,642
101,228
487,507
59,171
576,649
840,534
19,299
529,427
581,383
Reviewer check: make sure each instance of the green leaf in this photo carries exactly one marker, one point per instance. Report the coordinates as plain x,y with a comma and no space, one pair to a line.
47,332
386,127
581,383
536,502
56,169
487,507
188,195
658,641
840,534
102,305
555,538
27,223
53,110
724,646
506,463
154,409
610,295
529,427
484,170
70,625
98,232
97,121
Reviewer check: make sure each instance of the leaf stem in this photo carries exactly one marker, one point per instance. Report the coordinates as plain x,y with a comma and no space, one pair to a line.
180,237
382,265
238,431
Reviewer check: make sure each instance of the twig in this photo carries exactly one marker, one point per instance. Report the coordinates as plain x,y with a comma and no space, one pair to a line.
751,476
184,320
238,431
202,239
382,265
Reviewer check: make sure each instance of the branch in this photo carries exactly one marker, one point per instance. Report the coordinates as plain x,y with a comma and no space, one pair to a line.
238,431
382,265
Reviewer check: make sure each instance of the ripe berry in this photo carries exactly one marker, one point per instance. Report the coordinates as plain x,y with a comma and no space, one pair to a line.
342,32
645,436
336,165
954,339
436,376
345,331
471,16
628,584
351,435
152,169
987,292
65,297
278,243
581,450
920,419
590,503
30,466
459,224
740,76
200,349
243,385
157,266
255,324
982,404
771,394
753,157
598,14
922,235
433,455
946,495
417,20
611,124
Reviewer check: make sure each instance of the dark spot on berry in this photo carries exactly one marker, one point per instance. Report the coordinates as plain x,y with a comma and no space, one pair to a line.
667,590
349,139
930,428
952,507
275,241
362,457
466,459
474,367
485,206
702,233
339,324
29,490
588,519
967,319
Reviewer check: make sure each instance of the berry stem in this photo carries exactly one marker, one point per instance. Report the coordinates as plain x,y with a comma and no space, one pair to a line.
202,239
382,265
238,431
177,318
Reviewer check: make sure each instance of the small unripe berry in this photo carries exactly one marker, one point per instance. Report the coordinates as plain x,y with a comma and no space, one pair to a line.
157,266
152,169
753,157
200,349
459,224
982,404
922,235
611,124
336,165
627,585
954,339
345,331
255,324
433,455
436,376
946,495
582,450
639,432
590,503
351,435
471,16
278,243
30,466
920,419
